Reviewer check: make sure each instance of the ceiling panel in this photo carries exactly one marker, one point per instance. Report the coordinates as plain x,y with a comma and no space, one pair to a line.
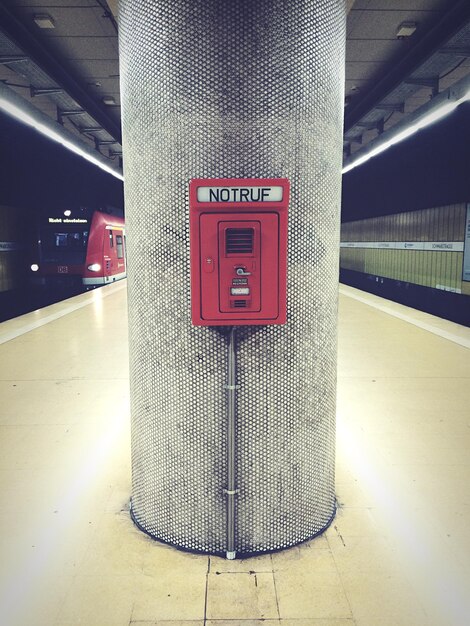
405,5
361,70
50,3
108,85
373,23
99,91
353,86
86,48
95,69
384,24
68,22
457,74
85,42
371,50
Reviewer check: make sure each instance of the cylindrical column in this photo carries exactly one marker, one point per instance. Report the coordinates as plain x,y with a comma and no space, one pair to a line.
231,89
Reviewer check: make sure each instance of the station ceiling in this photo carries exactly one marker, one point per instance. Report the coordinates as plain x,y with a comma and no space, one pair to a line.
62,56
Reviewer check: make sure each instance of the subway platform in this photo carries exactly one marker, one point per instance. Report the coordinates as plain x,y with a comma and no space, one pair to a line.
397,553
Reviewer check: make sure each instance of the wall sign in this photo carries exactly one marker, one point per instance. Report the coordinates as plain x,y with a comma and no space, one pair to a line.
429,246
240,194
10,246
67,220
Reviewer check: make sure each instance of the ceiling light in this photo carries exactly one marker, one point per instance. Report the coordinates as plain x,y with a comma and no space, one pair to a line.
422,122
22,116
406,29
109,100
67,213
43,20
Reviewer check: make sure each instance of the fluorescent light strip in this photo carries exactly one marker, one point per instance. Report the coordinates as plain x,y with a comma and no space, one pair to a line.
29,120
421,123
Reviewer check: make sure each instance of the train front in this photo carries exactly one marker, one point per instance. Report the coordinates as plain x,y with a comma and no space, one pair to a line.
59,256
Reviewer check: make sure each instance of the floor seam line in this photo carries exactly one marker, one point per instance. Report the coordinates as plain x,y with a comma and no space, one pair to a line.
275,588
207,589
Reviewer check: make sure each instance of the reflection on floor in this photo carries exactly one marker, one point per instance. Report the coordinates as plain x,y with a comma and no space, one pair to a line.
397,553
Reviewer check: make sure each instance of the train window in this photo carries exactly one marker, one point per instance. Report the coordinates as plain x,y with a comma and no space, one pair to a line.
111,240
70,240
120,250
63,246
61,239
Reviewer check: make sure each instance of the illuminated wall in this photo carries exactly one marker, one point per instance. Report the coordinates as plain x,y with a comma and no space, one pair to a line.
421,247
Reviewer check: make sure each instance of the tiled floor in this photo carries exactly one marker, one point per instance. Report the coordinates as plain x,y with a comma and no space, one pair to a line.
397,553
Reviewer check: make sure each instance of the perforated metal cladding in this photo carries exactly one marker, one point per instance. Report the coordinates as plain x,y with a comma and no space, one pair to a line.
231,89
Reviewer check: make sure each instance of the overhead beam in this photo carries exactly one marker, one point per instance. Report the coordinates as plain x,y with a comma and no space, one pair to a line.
23,111
6,59
458,51
62,75
47,91
431,112
435,39
399,107
428,81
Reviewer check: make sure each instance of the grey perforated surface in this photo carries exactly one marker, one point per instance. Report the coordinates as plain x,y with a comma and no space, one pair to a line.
231,89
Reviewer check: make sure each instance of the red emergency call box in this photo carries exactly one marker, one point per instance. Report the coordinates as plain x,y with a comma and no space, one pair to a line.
238,237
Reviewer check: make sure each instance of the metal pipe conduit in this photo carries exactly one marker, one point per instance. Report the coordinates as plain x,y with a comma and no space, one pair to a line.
231,443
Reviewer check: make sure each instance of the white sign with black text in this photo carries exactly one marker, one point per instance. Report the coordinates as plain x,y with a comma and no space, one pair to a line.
430,246
240,194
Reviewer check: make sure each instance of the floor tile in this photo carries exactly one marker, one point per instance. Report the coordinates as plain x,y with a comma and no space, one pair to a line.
32,402
169,595
99,601
38,601
353,521
385,600
241,596
398,551
364,554
301,597
108,554
243,622
161,560
254,564
304,556
164,622
317,622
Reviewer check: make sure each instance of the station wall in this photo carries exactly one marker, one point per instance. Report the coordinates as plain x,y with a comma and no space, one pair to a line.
422,248
14,239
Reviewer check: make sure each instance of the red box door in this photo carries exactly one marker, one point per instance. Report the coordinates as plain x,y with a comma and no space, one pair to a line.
239,266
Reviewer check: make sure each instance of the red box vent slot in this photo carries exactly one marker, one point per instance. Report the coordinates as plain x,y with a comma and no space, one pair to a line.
239,240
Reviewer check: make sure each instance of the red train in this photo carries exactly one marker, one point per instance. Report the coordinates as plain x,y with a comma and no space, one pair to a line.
81,246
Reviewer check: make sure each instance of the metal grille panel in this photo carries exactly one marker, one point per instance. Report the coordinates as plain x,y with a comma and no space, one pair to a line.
231,89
